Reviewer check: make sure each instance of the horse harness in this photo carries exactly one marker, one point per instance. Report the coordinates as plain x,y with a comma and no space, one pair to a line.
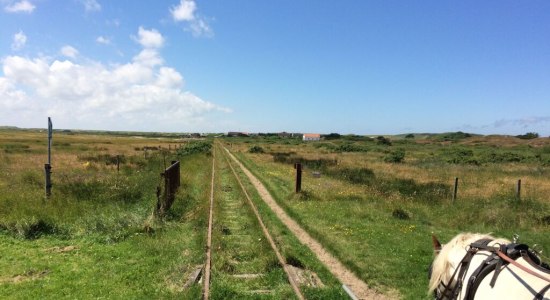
499,256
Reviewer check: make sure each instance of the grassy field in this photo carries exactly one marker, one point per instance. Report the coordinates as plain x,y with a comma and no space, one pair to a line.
373,202
377,215
96,237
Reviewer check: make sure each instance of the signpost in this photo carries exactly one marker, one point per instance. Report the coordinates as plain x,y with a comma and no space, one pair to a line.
48,166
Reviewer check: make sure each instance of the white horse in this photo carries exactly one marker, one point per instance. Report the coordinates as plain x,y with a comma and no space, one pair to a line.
479,266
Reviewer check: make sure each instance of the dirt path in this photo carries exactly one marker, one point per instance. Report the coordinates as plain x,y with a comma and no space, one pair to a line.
346,277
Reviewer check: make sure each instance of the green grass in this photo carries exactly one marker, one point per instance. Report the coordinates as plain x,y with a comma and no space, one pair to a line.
239,246
115,248
95,237
292,250
351,211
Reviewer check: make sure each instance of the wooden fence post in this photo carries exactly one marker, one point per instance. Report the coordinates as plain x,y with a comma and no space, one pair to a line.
48,166
298,167
118,163
455,189
518,190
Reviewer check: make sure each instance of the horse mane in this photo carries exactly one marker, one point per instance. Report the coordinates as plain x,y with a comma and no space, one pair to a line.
450,256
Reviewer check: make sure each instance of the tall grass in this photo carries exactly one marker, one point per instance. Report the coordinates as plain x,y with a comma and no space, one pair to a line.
116,249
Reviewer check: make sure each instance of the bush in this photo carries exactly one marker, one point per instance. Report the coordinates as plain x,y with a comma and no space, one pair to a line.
380,140
528,136
195,147
356,176
496,157
396,156
460,156
348,147
332,136
256,149
453,136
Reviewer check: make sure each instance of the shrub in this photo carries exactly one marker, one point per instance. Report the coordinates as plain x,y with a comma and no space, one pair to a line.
256,149
380,140
396,156
528,136
356,176
332,136
454,136
409,136
195,147
348,147
460,156
496,157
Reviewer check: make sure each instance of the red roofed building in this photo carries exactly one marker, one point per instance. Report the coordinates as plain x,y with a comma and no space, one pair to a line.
311,137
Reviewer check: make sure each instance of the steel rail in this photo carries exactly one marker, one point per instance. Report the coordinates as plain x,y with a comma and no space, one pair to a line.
206,289
267,234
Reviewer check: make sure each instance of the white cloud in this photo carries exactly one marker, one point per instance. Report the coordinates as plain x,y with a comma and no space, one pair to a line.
142,94
69,51
149,57
199,28
103,40
150,38
91,5
19,40
185,12
20,6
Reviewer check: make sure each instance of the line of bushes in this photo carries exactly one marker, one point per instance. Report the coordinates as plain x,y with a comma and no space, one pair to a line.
460,155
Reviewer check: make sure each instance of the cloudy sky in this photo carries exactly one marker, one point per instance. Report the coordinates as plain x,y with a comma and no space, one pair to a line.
364,67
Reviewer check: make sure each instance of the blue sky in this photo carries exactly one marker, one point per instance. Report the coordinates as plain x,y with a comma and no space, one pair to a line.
363,67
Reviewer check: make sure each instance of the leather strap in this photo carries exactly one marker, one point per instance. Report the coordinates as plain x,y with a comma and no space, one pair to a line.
522,267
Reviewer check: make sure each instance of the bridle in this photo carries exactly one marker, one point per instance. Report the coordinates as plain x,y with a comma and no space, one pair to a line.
450,291
499,256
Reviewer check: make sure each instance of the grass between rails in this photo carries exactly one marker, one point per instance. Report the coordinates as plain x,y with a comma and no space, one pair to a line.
361,227
239,247
292,250
95,238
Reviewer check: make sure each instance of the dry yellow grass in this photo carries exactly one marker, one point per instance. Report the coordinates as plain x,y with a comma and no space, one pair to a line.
475,182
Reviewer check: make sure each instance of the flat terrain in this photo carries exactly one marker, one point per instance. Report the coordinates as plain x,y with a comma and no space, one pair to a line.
372,203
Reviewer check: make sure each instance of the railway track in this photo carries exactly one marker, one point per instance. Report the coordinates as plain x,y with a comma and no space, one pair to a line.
242,259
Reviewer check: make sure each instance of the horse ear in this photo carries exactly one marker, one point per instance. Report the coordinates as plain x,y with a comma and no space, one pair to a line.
436,244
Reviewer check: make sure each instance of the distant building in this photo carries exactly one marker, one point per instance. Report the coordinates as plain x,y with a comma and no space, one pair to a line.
311,137
236,134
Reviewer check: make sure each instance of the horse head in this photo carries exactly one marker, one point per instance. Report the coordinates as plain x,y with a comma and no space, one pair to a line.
446,261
